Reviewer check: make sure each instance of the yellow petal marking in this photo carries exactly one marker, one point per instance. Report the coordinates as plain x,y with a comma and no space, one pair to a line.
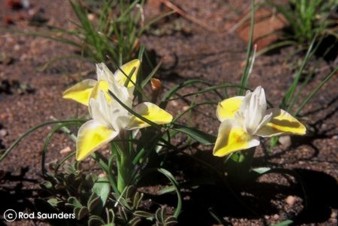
101,86
232,138
121,77
151,112
281,123
92,136
81,91
227,108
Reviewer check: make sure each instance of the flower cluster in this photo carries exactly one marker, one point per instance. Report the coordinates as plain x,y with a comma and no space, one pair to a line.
243,118
109,117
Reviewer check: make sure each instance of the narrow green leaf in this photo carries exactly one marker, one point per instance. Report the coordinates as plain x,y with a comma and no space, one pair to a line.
144,214
196,134
166,190
172,179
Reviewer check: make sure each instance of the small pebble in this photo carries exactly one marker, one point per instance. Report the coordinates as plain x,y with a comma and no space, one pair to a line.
173,103
3,132
290,200
16,47
185,108
285,141
25,4
91,16
65,150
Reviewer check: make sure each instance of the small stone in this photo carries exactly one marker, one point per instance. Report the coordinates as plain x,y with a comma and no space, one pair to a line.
290,200
285,141
275,217
173,103
65,150
25,4
3,132
16,47
185,108
91,16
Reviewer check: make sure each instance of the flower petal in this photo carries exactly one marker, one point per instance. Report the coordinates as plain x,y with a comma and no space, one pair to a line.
122,93
103,73
266,119
228,108
91,136
81,91
253,109
232,137
282,122
151,112
101,86
125,70
108,113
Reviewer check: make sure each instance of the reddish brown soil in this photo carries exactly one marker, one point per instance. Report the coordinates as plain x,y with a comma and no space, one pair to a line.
208,49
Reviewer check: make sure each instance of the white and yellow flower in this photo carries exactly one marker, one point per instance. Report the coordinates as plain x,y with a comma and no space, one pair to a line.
109,118
246,118
126,76
107,121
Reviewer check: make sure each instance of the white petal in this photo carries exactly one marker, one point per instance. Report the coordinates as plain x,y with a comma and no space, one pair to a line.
254,109
103,73
109,113
122,93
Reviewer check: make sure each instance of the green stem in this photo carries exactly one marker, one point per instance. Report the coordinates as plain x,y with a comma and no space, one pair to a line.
123,166
123,162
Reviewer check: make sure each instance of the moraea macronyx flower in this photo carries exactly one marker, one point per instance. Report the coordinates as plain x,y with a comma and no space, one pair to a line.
246,118
109,118
126,75
107,121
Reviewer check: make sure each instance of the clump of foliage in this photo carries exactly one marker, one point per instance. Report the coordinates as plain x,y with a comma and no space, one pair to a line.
308,21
